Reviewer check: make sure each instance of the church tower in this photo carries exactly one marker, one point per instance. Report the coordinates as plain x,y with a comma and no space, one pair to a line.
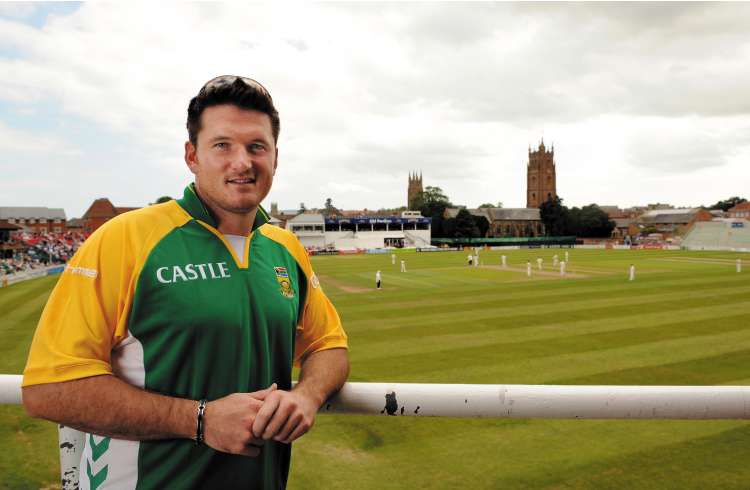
415,188
541,180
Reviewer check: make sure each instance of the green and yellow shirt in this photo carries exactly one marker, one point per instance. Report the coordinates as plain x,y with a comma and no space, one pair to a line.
159,298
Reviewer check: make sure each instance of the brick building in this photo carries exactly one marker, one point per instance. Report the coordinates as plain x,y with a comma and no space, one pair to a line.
541,179
742,211
35,219
671,222
507,222
101,211
414,190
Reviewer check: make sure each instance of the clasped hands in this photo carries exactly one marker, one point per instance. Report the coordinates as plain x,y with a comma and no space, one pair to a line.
241,423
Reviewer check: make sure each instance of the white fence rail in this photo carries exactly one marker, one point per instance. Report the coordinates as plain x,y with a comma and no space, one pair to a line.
501,401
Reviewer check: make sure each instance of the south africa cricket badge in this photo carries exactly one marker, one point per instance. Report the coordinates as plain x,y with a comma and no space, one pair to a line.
282,276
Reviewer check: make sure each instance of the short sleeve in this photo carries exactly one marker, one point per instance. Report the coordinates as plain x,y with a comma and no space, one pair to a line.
320,328
85,315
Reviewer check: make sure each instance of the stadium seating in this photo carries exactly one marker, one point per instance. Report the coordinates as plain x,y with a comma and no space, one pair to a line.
718,235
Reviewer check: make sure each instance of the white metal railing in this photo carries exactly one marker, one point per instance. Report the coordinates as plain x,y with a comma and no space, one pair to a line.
473,400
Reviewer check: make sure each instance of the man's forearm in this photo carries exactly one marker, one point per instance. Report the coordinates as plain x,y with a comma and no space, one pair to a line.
323,374
106,405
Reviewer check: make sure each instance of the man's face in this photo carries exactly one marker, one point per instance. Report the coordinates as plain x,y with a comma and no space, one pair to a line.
235,158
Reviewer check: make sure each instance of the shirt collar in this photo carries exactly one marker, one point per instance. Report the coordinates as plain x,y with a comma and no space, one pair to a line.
191,203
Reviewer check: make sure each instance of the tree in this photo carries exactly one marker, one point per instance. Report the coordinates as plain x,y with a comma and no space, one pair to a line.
163,199
433,201
553,215
465,226
482,225
490,205
729,203
594,223
330,209
443,227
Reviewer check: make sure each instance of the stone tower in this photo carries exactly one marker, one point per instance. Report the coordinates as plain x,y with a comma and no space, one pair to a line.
541,181
415,188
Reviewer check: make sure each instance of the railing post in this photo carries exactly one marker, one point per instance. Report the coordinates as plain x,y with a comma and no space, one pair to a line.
71,445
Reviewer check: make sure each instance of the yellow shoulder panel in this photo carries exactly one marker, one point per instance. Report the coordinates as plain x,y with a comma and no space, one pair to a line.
320,326
87,312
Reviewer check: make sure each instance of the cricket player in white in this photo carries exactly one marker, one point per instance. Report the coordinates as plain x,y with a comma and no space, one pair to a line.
567,259
469,259
739,265
504,260
476,261
554,260
562,268
528,268
393,259
539,263
377,279
403,266
632,272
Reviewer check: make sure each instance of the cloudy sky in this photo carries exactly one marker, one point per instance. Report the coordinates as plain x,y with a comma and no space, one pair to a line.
643,102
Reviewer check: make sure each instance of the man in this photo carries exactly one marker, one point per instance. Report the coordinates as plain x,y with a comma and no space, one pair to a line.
171,335
470,259
377,279
631,273
403,266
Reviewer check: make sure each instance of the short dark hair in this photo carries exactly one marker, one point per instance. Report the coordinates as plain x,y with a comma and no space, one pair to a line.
244,93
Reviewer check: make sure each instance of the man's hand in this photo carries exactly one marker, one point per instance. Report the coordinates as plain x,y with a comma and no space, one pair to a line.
228,422
285,416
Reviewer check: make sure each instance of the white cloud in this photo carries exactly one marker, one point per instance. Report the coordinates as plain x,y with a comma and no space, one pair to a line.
368,92
16,141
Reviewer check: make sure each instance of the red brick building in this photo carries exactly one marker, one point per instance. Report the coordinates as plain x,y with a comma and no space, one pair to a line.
541,177
101,211
670,222
742,211
35,219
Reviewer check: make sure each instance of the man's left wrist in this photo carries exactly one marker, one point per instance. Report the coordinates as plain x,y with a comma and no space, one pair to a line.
316,399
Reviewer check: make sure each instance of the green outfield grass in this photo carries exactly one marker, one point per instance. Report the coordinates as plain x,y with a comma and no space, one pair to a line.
684,321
